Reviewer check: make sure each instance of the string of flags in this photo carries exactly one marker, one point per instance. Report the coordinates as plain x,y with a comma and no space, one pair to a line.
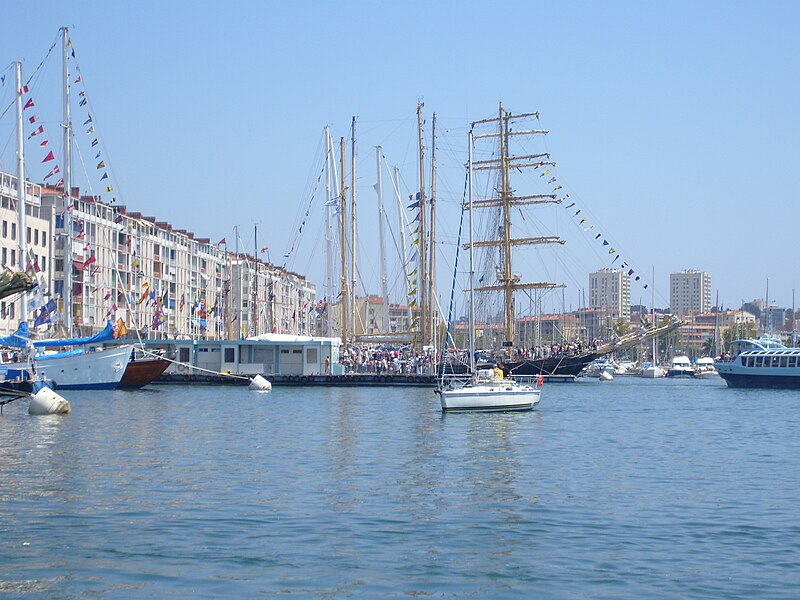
584,220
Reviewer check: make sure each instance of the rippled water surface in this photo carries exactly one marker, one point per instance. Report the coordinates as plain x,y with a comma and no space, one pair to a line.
629,489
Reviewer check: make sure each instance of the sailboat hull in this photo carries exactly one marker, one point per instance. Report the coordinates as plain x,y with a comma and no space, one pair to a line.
101,370
556,365
497,396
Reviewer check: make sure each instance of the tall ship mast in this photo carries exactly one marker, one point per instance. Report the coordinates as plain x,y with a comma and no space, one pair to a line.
506,204
507,281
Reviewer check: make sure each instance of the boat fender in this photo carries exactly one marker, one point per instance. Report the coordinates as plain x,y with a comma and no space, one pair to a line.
47,402
540,380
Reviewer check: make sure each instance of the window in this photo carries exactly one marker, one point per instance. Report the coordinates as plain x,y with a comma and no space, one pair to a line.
311,356
27,235
230,355
44,239
13,231
5,228
13,256
183,355
35,236
4,256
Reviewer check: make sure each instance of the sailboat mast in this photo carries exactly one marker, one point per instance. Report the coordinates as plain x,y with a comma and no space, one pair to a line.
353,225
403,249
343,235
255,282
432,247
471,332
423,276
67,150
328,235
21,191
384,287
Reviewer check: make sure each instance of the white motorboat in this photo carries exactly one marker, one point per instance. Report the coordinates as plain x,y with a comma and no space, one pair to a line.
705,367
681,367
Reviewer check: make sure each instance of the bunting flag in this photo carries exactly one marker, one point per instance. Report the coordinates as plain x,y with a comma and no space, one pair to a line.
94,142
89,120
105,176
222,242
28,104
36,131
120,329
109,189
52,172
78,79
44,143
264,250
90,131
33,118
101,165
145,292
49,157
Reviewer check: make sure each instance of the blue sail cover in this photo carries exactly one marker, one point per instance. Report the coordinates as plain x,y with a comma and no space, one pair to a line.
18,339
103,336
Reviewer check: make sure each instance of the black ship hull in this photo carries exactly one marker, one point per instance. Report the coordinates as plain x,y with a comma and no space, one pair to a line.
555,365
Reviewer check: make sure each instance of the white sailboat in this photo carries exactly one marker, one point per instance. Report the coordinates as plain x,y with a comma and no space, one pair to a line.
487,389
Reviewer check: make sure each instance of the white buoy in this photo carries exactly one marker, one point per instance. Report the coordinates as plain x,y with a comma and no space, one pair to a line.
259,384
47,402
606,376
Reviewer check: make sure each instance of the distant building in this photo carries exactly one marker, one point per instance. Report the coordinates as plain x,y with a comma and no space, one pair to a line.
611,289
689,292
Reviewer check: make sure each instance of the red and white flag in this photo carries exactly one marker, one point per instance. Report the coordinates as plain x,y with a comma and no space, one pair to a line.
49,157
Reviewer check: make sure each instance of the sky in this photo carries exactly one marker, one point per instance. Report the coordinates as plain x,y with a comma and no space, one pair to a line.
674,126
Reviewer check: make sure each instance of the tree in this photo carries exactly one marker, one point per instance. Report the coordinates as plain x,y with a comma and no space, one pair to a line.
622,327
737,332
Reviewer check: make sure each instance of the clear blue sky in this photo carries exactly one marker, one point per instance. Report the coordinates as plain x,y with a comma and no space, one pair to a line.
674,124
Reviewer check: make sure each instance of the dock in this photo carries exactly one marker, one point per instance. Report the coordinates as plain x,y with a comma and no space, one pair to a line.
348,380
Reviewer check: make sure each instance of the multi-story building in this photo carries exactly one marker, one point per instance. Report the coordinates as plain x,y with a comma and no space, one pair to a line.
162,282
38,240
689,292
611,289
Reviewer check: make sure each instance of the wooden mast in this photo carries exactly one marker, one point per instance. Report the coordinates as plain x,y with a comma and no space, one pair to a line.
343,235
423,265
507,281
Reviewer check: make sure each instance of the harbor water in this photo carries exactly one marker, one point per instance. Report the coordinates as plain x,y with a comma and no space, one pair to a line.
628,489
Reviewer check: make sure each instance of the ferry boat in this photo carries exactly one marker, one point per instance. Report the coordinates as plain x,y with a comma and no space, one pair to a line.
761,363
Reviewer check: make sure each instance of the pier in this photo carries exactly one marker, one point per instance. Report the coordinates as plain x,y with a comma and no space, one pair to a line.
348,380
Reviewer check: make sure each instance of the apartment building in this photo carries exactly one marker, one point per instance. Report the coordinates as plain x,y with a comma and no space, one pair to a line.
689,292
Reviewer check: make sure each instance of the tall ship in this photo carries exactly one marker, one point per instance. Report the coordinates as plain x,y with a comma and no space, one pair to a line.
506,211
760,363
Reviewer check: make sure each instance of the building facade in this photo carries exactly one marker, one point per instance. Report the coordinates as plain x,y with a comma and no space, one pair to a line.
162,282
611,289
689,292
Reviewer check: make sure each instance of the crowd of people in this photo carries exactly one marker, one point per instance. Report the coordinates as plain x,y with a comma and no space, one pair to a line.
384,360
387,360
